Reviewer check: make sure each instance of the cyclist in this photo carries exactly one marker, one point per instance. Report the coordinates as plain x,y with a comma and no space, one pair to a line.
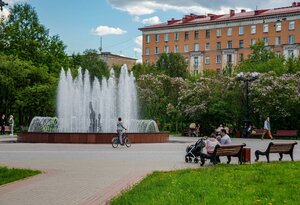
120,128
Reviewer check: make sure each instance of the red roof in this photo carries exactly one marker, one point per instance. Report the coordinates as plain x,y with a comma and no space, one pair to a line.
210,18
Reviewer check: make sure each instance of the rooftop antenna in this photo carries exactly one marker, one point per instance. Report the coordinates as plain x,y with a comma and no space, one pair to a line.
100,48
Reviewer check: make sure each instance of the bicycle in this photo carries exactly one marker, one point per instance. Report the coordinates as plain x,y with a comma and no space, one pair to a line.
115,142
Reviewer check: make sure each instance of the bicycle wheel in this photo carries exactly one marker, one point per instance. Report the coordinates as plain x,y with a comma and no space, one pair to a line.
127,142
115,142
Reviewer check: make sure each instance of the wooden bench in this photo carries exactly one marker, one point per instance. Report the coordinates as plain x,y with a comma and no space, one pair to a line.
224,150
286,133
258,132
280,148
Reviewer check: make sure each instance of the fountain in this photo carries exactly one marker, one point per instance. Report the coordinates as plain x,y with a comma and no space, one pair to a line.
91,108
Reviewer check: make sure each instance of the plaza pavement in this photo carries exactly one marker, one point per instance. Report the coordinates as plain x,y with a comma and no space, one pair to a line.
88,174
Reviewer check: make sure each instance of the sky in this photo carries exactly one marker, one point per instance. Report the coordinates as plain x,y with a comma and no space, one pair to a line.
80,24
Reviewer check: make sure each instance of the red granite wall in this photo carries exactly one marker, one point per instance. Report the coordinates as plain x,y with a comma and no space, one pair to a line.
89,138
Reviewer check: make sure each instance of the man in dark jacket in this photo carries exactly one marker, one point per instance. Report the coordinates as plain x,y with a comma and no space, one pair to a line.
2,124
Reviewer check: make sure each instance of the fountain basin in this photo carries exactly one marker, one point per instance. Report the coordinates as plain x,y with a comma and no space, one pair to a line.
89,138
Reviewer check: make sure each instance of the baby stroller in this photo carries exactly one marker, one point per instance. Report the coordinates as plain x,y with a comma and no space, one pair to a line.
193,151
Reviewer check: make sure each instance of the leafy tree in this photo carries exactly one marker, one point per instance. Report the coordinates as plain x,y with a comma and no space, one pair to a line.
262,60
23,36
91,61
173,65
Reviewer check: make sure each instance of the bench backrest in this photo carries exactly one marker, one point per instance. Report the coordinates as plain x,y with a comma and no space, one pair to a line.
228,150
281,147
287,132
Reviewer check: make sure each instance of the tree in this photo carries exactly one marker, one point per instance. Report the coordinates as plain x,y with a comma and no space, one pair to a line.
262,60
23,36
91,61
173,65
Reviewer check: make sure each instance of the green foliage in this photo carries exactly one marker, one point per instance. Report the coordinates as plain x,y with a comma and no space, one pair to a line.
23,36
262,60
26,91
222,184
172,64
8,175
90,60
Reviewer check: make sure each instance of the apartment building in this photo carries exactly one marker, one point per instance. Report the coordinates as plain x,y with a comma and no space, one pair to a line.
212,41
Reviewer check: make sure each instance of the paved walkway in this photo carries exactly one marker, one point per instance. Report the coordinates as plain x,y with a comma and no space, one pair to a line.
82,174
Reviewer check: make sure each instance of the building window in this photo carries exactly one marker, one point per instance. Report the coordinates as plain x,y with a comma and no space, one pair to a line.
146,61
176,49
166,49
219,33
291,39
277,40
241,43
176,36
266,28
229,32
253,42
291,53
186,35
156,50
241,57
147,51
207,60
195,72
253,29
229,44
207,33
229,58
278,26
266,41
278,54
186,48
207,46
147,39
218,45
166,37
196,47
292,25
196,34
196,61
241,30
156,37
218,59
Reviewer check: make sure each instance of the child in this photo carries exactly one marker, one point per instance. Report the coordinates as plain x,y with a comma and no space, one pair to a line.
120,128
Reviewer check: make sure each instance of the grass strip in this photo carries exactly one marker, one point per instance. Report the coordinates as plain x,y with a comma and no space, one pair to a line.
8,175
256,184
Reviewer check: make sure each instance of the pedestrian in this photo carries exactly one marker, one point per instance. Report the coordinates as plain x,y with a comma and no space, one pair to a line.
2,125
11,124
225,137
267,128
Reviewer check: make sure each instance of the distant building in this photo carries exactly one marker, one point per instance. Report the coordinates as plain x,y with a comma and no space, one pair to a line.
112,59
212,41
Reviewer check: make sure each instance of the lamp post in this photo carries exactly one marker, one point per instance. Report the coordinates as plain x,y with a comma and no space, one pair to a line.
2,4
247,79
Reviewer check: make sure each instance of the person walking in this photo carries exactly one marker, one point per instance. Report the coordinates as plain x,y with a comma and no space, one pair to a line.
267,128
2,125
11,124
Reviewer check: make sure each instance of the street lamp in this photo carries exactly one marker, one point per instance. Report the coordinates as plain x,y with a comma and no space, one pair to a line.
247,79
2,3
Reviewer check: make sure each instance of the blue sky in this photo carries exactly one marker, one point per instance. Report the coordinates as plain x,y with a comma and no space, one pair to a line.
80,23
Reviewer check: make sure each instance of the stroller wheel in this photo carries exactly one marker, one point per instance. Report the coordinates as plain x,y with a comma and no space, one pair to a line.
186,159
190,159
196,160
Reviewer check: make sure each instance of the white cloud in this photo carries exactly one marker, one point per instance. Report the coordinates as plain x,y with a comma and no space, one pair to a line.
142,7
139,40
138,50
136,19
105,30
151,21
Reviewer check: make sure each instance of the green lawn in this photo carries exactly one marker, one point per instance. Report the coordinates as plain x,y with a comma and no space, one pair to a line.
8,175
260,183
